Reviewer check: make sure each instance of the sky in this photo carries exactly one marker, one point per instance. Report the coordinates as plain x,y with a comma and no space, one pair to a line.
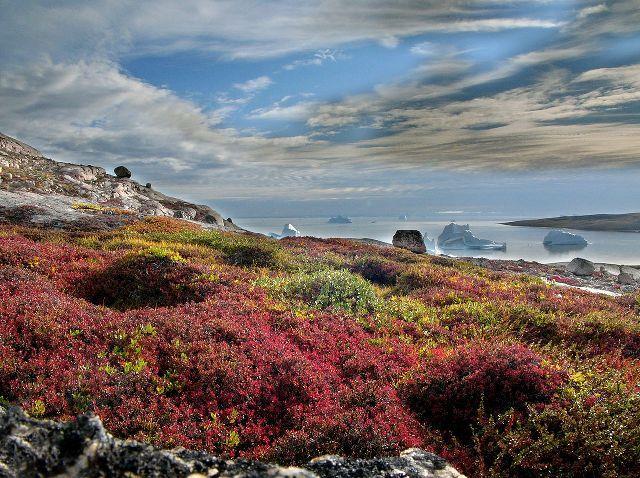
361,107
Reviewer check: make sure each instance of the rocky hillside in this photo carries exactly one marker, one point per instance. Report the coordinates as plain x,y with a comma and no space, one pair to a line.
83,448
40,191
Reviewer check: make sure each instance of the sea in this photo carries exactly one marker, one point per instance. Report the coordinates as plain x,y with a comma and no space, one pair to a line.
522,242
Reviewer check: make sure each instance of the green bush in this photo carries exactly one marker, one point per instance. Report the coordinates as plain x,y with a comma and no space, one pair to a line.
338,289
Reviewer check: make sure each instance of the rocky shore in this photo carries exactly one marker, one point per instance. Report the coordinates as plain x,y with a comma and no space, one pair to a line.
82,448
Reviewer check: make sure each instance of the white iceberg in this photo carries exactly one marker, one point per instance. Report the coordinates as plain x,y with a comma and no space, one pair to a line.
458,237
287,231
557,237
429,242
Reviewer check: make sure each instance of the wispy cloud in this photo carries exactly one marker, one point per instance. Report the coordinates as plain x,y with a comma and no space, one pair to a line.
256,84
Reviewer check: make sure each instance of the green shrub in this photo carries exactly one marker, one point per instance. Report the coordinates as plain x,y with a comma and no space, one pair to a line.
338,289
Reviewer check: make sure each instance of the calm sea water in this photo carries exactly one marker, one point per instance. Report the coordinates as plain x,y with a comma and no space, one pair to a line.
522,242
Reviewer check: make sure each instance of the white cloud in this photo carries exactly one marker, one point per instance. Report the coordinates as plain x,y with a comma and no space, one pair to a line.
256,84
298,111
594,10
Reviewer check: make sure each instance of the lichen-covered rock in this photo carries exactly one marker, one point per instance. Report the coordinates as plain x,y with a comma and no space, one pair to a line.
411,240
31,448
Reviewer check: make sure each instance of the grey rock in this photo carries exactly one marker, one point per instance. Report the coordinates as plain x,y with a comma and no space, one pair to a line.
411,240
148,185
31,448
581,267
122,172
57,187
626,278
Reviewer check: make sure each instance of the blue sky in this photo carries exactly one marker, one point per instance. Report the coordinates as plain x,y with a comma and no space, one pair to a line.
259,107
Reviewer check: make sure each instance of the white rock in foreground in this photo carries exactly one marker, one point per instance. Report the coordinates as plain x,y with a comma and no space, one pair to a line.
458,237
556,237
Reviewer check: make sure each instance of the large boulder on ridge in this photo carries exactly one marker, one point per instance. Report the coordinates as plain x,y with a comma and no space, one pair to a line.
122,172
409,239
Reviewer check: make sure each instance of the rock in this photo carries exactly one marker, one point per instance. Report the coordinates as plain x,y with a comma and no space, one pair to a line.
148,185
581,267
411,240
229,220
626,279
82,448
457,237
122,172
557,237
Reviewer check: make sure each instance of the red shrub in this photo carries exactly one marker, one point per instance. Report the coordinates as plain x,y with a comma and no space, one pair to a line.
449,389
144,281
377,269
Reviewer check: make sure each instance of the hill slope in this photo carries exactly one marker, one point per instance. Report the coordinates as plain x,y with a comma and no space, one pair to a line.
629,222
37,190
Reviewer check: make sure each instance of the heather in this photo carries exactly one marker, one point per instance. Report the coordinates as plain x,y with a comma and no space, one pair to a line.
245,346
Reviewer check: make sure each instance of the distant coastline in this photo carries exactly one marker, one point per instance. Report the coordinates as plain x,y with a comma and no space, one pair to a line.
628,222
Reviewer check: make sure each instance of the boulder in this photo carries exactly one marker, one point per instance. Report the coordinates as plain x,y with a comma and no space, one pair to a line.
409,239
31,448
581,267
626,279
122,172
148,185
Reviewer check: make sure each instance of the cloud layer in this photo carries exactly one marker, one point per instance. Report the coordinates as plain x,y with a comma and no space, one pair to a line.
62,87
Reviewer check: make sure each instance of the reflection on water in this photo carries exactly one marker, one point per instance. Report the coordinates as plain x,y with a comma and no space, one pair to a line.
564,249
522,242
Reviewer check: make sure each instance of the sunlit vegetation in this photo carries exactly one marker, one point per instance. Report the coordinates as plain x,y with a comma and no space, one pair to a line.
246,346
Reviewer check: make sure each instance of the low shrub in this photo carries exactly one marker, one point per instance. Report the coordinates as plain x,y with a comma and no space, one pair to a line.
377,269
449,389
153,279
339,289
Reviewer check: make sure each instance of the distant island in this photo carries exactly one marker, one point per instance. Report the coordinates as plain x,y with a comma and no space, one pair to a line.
629,222
340,220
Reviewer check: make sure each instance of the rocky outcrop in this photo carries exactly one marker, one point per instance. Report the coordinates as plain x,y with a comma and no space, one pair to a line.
581,267
411,240
70,192
31,448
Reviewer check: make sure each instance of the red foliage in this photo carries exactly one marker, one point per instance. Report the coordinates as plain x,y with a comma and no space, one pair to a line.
144,281
449,390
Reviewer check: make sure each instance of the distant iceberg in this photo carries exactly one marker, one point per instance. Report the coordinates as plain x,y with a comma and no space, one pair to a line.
403,217
458,237
340,220
557,237
429,242
287,231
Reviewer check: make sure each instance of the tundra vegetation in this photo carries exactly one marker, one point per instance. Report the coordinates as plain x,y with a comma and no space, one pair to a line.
246,346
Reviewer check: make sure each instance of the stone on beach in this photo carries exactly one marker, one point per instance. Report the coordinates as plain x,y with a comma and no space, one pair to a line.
581,267
411,240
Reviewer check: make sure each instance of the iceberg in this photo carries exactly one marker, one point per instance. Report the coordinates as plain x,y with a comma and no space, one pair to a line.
429,242
340,220
557,237
458,237
287,231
